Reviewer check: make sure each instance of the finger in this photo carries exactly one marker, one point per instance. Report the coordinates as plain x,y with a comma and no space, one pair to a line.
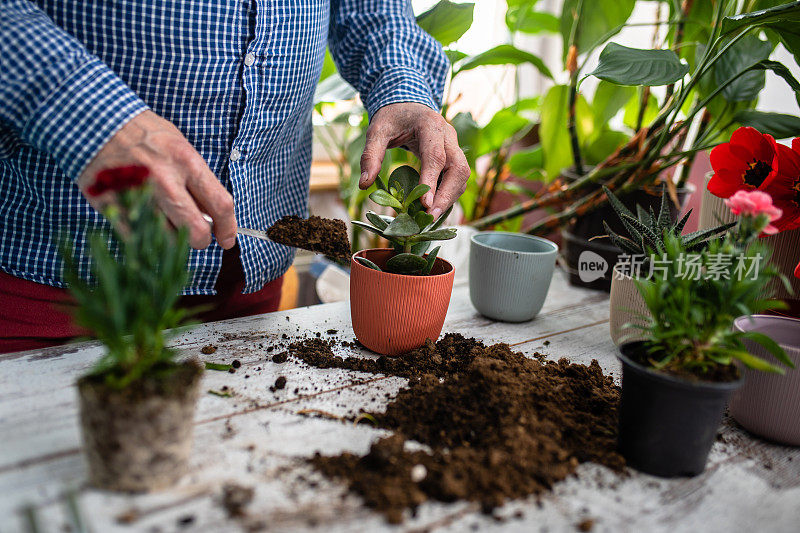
433,158
454,180
182,211
215,200
372,158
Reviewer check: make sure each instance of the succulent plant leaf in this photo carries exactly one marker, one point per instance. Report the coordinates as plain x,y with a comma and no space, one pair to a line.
404,178
385,199
430,260
377,221
402,226
369,264
368,227
405,263
421,247
423,219
416,192
436,235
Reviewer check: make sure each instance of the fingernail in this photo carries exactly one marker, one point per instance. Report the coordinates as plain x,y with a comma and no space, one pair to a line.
363,180
428,200
436,213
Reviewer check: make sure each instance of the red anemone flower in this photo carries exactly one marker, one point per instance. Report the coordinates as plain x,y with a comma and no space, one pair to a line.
118,179
749,162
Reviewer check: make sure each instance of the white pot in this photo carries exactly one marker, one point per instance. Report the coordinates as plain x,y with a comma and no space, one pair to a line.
626,304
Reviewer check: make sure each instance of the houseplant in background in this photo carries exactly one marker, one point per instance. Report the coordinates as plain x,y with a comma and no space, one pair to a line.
644,231
711,63
137,403
753,161
399,296
676,381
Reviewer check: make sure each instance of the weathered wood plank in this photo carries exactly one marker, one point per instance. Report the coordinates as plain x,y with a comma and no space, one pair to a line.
257,438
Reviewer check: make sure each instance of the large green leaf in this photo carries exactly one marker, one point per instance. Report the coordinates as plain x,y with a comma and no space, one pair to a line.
402,226
789,12
608,99
553,130
468,132
633,107
526,162
447,21
524,17
781,70
778,125
504,54
603,145
499,131
328,66
633,66
734,65
599,21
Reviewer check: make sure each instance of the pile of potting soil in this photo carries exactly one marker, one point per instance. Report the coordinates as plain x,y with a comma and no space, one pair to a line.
498,425
321,235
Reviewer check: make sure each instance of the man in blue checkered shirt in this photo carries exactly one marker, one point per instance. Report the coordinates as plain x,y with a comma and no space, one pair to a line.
213,96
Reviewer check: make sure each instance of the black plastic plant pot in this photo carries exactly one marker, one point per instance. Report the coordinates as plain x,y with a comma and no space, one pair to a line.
667,425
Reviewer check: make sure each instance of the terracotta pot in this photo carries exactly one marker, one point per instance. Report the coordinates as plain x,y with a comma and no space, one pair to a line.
785,245
625,305
769,404
393,313
139,438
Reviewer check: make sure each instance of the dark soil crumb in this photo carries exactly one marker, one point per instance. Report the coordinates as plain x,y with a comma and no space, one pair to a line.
231,370
185,521
585,525
235,498
280,357
316,234
499,425
280,383
236,363
208,349
332,331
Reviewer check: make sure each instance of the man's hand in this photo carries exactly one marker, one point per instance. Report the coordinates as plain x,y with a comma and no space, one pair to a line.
184,186
428,135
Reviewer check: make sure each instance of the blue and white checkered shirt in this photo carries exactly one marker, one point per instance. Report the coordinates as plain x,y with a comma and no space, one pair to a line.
237,77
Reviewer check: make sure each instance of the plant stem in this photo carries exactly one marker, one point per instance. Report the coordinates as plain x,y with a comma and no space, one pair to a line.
572,68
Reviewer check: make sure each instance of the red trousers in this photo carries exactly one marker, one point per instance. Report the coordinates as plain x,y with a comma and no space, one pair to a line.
33,315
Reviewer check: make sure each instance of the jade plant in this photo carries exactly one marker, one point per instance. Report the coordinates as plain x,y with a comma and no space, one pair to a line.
648,230
412,230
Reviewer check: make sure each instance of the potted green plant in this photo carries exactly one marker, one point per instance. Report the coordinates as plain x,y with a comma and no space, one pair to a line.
399,296
645,230
137,403
676,382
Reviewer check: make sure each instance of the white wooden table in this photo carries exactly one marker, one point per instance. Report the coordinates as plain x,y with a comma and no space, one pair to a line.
257,439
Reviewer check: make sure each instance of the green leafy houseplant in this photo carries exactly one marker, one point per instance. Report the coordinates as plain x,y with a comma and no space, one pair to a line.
137,403
647,230
690,327
412,230
134,298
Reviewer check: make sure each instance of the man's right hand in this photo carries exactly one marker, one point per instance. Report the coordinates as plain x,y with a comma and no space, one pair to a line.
184,186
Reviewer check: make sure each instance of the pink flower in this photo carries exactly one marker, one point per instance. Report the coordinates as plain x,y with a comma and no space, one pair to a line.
755,203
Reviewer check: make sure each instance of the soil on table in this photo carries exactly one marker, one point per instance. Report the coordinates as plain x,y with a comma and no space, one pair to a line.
498,425
316,234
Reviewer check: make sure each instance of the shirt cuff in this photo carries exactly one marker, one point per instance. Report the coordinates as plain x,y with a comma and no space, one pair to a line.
81,115
399,85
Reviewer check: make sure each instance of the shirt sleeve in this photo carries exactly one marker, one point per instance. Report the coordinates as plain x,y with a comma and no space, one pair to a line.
54,94
380,50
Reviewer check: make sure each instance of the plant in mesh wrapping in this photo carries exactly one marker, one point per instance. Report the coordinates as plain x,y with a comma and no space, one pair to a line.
412,230
648,230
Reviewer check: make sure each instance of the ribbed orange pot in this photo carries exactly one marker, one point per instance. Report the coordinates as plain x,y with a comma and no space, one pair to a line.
392,313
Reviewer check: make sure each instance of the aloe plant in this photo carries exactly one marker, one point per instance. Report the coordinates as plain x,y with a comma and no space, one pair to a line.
647,230
412,230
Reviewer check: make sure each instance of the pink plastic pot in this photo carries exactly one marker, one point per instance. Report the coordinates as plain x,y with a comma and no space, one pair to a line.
769,404
392,313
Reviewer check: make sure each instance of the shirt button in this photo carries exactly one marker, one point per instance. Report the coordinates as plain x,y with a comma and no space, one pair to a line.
235,154
249,59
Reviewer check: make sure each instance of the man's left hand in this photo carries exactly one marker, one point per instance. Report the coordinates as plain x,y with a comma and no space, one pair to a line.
428,135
